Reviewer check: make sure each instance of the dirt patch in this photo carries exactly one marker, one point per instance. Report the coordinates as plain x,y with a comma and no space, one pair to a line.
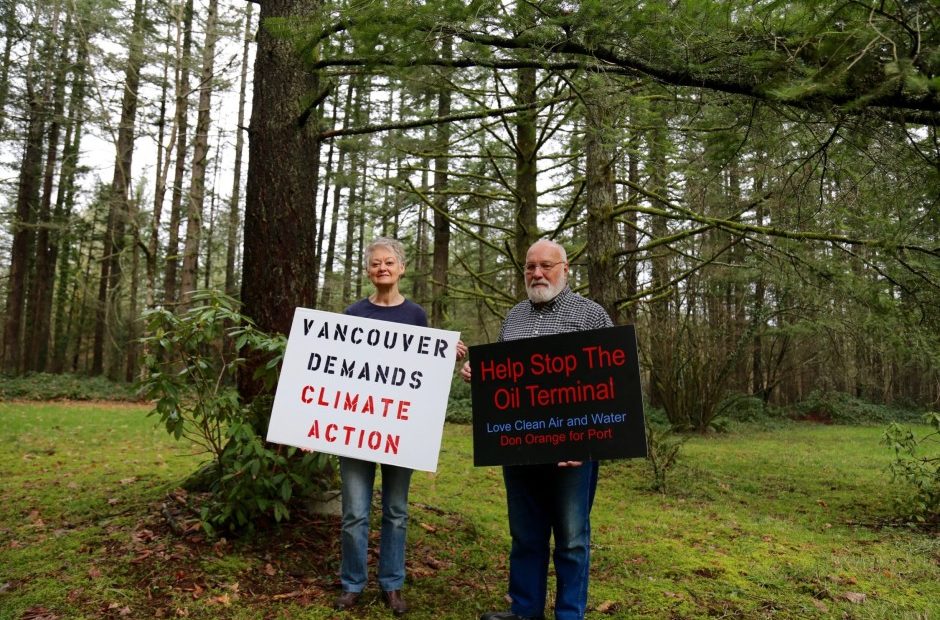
169,557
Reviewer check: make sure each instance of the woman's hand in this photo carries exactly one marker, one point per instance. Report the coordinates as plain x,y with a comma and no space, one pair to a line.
461,350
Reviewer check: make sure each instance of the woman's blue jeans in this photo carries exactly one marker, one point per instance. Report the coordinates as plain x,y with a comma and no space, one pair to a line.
358,478
547,500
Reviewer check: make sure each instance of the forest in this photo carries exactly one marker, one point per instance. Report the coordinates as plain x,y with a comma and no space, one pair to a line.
754,185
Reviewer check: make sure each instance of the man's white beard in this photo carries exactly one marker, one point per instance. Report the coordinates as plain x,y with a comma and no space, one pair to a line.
542,294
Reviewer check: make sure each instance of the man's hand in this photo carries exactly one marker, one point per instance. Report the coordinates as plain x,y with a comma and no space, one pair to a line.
570,463
461,350
465,372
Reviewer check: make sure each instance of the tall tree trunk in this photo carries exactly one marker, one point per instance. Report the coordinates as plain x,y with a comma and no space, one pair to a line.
183,60
321,229
482,308
759,383
47,237
441,253
353,214
108,310
133,320
10,27
84,283
27,198
361,235
631,265
328,284
601,195
283,163
210,233
231,247
661,345
420,271
387,169
23,224
164,156
738,291
68,278
353,205
65,202
390,229
526,147
197,186
526,224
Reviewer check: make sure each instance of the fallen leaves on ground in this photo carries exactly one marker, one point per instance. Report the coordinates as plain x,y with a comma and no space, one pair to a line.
854,597
119,610
39,613
168,563
607,607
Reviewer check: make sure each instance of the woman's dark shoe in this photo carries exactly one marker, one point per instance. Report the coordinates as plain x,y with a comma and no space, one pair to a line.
346,600
395,602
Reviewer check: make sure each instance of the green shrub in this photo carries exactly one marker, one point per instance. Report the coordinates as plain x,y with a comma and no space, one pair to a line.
46,386
744,410
842,408
663,446
259,479
191,361
917,463
654,416
459,410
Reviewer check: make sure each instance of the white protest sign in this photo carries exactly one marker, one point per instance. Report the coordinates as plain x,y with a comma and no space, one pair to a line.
367,389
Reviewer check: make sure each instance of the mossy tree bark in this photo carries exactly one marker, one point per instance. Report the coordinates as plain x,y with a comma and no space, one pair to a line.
280,218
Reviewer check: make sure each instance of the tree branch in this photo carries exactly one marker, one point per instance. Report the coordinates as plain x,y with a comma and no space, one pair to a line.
927,103
327,135
678,212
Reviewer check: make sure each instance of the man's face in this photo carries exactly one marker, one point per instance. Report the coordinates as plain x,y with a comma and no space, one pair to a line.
546,272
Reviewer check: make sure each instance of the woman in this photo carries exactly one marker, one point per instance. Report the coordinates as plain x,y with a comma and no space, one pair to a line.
385,265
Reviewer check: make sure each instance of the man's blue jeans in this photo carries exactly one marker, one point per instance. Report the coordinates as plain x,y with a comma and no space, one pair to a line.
545,500
358,478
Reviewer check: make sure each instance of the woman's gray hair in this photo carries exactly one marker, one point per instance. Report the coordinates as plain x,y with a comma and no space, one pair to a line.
384,242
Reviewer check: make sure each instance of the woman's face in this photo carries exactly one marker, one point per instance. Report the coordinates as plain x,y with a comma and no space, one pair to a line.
384,268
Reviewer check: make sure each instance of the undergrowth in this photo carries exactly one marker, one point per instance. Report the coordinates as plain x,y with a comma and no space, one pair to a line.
48,386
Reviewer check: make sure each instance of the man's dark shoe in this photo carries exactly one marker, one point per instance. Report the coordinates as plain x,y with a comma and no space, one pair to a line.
395,602
504,615
346,600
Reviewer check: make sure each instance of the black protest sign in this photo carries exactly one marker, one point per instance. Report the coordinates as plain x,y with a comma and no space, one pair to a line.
568,397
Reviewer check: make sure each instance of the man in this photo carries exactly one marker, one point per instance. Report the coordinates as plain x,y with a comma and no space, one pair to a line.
555,498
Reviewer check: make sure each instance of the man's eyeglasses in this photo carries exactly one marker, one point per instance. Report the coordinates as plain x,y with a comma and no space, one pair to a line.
544,267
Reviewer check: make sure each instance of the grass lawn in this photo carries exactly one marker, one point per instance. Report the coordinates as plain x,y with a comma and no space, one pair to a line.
793,522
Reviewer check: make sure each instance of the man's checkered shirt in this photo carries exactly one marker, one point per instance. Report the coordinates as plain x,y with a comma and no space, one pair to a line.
567,312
